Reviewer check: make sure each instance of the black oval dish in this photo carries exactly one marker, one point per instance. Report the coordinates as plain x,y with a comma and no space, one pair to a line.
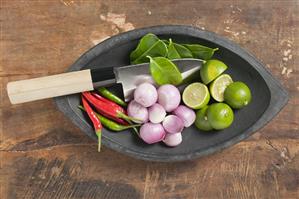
268,96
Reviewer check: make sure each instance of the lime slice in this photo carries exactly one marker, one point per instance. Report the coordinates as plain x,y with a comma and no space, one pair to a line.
211,70
218,87
237,95
201,121
196,95
220,115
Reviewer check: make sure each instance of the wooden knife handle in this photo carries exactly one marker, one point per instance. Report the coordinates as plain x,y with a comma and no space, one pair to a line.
49,86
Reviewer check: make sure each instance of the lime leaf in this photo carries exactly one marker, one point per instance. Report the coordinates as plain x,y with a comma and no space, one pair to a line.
144,44
177,51
149,45
164,71
200,51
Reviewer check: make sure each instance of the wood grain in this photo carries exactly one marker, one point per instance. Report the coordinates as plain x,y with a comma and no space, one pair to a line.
29,90
44,156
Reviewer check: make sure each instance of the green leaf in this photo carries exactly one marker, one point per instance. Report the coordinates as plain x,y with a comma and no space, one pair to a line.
200,52
158,49
144,44
165,42
149,45
164,71
172,51
177,51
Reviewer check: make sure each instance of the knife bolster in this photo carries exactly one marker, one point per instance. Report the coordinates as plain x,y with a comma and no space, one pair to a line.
103,77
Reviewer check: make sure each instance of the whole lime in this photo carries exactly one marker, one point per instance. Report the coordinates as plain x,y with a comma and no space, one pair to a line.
211,70
220,115
237,95
201,121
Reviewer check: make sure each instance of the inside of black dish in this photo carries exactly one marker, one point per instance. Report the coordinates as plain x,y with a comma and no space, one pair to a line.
193,139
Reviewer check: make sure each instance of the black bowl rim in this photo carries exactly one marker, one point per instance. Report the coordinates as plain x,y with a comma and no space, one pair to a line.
279,96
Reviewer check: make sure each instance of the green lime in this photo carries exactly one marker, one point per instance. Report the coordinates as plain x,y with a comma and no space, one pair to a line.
196,95
201,121
211,70
220,115
218,86
237,95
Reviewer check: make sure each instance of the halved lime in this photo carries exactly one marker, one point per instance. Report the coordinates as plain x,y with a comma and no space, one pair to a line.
196,95
220,115
201,121
237,95
218,87
211,70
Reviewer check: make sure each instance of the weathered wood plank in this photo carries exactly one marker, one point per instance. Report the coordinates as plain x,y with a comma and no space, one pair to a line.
248,170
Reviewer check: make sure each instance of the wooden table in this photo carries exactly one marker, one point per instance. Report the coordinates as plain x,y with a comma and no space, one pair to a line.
43,155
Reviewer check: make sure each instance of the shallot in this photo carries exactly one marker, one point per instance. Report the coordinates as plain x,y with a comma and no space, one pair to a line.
173,139
135,110
173,124
152,133
156,113
146,94
186,114
169,97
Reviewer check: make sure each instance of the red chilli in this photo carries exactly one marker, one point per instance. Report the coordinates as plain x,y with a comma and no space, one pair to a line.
118,120
99,97
107,109
95,120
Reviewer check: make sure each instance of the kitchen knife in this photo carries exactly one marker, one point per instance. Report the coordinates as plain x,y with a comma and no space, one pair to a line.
86,80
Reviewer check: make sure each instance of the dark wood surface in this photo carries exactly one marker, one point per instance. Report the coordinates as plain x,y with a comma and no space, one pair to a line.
44,156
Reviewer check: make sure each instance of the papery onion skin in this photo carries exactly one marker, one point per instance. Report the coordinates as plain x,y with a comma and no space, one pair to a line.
146,94
173,140
136,110
186,114
156,113
173,124
152,133
169,97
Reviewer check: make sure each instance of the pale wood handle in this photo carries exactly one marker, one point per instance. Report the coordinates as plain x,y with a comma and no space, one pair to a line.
50,86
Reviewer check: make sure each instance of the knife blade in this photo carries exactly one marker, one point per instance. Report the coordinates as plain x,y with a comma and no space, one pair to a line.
131,76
